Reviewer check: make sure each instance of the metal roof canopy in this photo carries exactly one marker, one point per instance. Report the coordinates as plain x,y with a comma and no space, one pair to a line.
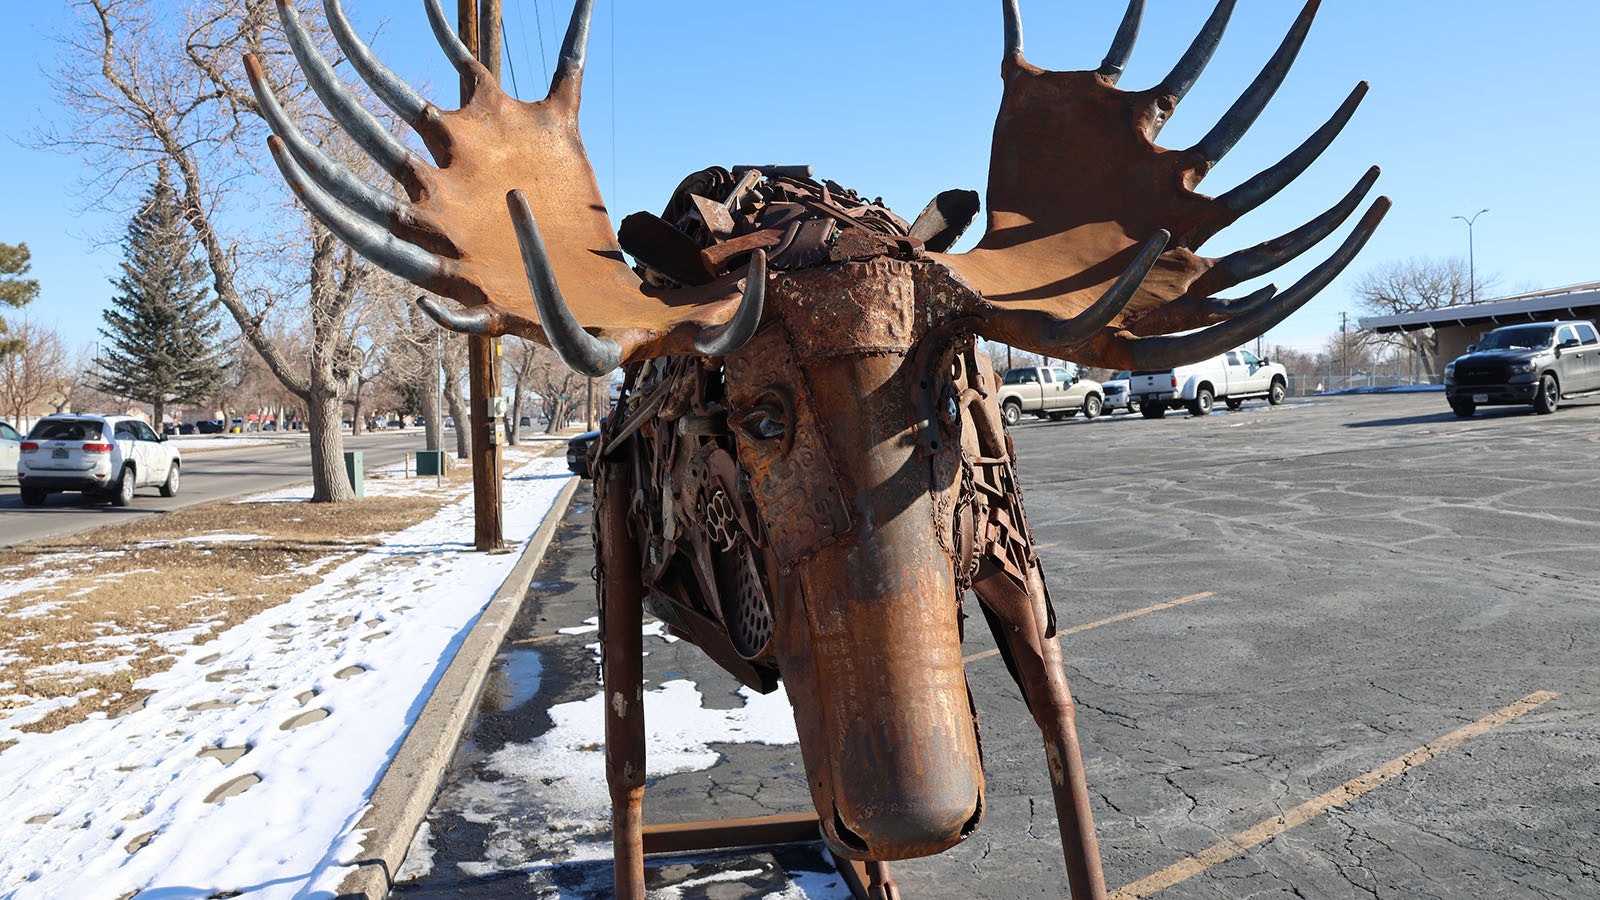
1578,301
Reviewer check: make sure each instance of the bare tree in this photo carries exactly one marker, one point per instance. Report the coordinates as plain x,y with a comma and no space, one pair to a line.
410,349
455,370
145,82
1416,285
37,373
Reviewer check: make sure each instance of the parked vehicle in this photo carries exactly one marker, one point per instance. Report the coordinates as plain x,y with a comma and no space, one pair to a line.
1233,377
1117,395
1048,392
578,453
109,456
1540,364
10,447
209,426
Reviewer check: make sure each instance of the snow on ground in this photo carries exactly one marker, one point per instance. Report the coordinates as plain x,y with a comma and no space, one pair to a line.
253,758
256,752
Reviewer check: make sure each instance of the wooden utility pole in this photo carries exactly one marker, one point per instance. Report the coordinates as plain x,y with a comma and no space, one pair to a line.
481,32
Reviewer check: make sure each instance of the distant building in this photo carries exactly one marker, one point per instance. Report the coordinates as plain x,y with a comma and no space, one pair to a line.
1458,326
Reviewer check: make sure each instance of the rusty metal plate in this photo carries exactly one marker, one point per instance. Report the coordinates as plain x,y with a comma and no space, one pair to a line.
792,478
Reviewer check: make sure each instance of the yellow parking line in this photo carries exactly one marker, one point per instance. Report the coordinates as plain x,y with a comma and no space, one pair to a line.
1339,796
985,654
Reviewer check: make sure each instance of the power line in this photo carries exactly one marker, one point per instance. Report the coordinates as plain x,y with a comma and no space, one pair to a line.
505,50
538,22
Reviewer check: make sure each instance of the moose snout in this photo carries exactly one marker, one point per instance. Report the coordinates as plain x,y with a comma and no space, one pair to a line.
885,718
922,809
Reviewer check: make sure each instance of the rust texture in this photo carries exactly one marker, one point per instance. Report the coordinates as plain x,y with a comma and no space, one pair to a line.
807,475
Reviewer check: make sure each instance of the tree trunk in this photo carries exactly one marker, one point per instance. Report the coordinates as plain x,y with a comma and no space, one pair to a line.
158,411
432,415
329,482
514,427
458,411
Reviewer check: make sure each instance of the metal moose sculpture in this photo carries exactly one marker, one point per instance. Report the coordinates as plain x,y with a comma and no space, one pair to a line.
807,471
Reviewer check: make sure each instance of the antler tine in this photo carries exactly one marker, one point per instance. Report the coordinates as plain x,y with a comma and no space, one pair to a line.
1079,328
1265,185
1239,117
1193,62
390,88
1268,255
476,320
1013,20
582,352
459,55
1122,45
349,190
723,339
1233,307
360,124
1166,352
398,257
569,69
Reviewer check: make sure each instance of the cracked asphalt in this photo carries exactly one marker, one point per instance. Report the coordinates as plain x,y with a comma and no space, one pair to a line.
1360,576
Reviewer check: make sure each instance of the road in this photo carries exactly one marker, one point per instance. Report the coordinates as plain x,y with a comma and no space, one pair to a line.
212,470
1334,650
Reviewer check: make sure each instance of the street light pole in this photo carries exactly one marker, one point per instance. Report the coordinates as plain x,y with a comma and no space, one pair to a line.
1472,273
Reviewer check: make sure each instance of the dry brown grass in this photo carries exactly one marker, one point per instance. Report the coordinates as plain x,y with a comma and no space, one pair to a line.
101,609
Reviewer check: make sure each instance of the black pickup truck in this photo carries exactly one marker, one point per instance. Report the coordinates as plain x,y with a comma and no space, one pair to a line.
1540,364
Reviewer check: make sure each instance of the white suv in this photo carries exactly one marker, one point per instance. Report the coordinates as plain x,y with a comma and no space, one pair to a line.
99,455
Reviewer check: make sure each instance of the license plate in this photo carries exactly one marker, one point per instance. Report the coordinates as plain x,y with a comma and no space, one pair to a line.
58,453
1480,398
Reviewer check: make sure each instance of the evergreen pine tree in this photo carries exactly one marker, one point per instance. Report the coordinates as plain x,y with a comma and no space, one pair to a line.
14,289
162,329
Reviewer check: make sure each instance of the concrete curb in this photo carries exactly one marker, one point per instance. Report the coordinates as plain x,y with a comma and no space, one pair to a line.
406,790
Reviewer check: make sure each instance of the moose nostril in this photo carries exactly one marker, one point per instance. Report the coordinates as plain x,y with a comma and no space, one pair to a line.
845,835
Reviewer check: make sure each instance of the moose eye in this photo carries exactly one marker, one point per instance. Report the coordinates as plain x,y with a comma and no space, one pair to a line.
765,424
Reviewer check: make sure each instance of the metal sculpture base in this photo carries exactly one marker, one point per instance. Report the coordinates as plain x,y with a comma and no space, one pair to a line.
866,880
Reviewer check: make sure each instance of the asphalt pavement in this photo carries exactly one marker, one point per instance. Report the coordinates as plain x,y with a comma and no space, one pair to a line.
214,468
1340,648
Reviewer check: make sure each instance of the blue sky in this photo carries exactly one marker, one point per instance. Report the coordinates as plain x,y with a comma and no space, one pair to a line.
1475,104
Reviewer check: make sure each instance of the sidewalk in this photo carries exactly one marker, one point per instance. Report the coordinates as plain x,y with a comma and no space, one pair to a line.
255,763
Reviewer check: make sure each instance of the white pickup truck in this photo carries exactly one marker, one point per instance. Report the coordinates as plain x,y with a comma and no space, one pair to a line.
1049,392
1233,377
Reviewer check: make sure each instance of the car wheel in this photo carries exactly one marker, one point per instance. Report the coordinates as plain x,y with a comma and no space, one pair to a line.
169,488
1463,408
1153,410
1012,414
123,494
1092,405
33,496
1549,396
1133,404
1232,403
1277,392
1201,404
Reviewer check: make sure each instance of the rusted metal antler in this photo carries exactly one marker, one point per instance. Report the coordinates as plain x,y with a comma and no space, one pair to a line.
1077,184
444,237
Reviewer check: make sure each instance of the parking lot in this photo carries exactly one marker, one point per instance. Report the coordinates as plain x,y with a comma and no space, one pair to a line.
1340,648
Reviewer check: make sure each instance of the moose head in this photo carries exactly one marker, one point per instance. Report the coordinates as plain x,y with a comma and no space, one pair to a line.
807,472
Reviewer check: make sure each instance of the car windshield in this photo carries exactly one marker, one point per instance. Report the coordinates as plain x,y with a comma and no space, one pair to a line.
1523,337
66,430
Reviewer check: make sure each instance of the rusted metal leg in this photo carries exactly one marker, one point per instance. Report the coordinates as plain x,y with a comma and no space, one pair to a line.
1019,620
622,671
866,880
